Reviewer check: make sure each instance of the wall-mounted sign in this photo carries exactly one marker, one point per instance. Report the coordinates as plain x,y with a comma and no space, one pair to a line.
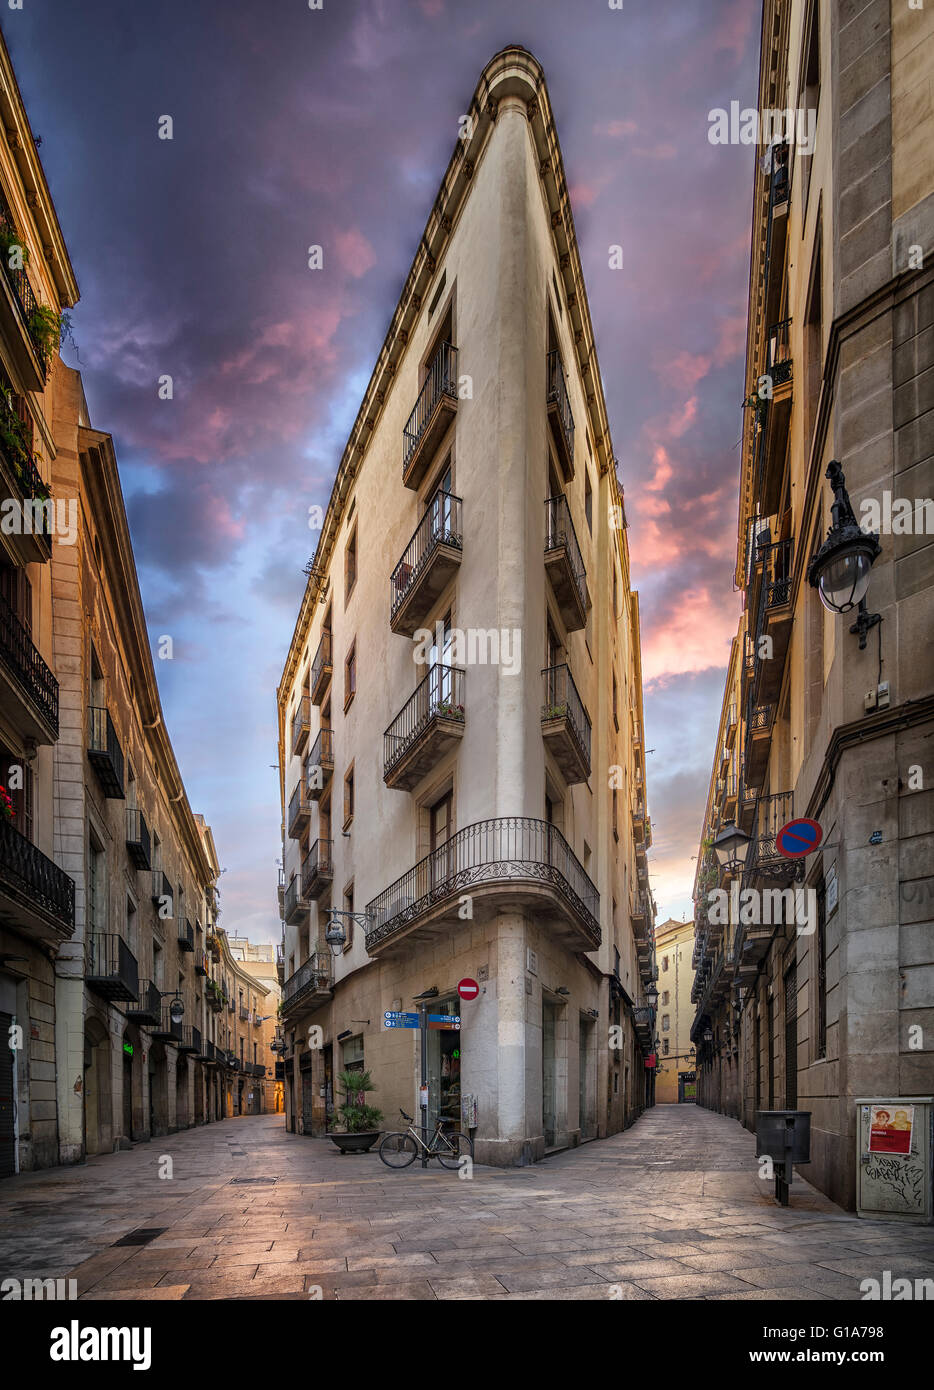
128,1049
798,837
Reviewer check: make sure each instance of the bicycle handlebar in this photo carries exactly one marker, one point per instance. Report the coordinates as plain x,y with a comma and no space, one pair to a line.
405,1116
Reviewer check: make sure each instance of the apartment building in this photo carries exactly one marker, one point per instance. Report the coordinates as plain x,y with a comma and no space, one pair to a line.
37,898
828,714
675,1074
253,965
460,713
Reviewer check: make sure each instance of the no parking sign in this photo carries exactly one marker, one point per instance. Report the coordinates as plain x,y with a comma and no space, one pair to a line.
798,837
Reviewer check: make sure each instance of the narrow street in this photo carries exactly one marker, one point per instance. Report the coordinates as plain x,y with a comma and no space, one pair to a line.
672,1208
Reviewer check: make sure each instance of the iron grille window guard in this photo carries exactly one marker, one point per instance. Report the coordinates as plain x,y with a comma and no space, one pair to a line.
440,381
439,696
507,849
441,525
559,531
24,663
30,875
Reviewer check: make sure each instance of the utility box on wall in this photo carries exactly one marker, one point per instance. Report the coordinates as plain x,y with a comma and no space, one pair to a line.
894,1145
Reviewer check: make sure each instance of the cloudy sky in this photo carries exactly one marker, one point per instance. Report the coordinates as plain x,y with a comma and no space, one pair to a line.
334,126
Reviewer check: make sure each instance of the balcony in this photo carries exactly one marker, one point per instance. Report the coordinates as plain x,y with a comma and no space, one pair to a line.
137,838
104,752
639,912
166,1030
295,908
428,564
213,997
771,592
774,416
321,669
503,864
728,796
299,810
34,892
190,1039
317,869
212,943
435,408
427,728
162,892
147,1008
729,733
776,231
301,725
565,725
29,345
280,966
28,690
244,1014
110,967
208,1054
201,963
564,564
560,418
638,821
186,935
772,812
758,743
643,1024
320,765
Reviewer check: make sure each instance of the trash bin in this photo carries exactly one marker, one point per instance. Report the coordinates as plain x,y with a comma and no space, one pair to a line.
894,1144
784,1136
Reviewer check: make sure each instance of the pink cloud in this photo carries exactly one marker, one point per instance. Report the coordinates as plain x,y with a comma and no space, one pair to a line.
693,637
615,129
354,252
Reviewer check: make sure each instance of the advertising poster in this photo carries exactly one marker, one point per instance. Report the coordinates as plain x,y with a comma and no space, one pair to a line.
890,1129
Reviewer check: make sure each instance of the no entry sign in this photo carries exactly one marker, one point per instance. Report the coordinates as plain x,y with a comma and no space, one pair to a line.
468,989
798,837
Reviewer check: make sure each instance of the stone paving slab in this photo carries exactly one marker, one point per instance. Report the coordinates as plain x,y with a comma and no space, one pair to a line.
671,1209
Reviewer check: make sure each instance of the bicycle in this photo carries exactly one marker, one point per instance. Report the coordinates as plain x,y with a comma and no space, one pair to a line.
401,1148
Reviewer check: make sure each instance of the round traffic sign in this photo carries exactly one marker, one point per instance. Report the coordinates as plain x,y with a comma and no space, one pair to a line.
468,989
798,837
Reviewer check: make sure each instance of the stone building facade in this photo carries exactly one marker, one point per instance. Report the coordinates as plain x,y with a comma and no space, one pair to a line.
840,359
460,714
674,949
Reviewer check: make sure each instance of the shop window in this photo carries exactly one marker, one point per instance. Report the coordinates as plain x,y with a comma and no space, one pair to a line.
352,1054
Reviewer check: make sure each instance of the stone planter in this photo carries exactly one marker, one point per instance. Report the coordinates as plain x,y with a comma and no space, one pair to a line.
356,1143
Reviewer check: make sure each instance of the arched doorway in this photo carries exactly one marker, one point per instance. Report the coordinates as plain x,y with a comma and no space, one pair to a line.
98,1088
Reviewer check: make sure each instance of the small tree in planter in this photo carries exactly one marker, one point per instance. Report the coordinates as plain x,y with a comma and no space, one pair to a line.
361,1121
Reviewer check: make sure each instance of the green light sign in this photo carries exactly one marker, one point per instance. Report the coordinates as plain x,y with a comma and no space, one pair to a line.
128,1049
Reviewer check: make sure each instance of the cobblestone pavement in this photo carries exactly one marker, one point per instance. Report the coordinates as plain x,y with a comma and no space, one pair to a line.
673,1208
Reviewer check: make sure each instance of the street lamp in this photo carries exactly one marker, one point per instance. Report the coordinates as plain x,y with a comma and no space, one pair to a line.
840,569
731,847
335,935
651,994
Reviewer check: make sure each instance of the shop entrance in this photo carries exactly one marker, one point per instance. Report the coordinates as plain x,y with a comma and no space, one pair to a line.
444,1066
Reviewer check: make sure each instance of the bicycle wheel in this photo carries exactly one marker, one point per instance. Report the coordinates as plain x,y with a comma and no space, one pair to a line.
398,1150
452,1148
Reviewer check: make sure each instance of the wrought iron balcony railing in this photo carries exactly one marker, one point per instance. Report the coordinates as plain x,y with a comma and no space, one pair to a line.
23,662
110,967
32,880
186,935
137,838
314,975
439,696
440,526
559,402
321,668
506,851
104,751
560,536
23,292
440,384
147,1008
301,724
295,905
560,700
317,868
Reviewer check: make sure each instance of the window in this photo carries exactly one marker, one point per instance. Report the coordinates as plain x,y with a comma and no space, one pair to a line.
350,564
348,796
664,962
664,1047
809,87
352,1054
97,885
588,501
666,1022
130,936
350,674
665,997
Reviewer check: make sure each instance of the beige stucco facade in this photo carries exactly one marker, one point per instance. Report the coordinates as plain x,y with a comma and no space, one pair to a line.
494,828
674,949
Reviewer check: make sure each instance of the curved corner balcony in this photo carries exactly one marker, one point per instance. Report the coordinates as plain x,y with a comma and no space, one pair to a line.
513,862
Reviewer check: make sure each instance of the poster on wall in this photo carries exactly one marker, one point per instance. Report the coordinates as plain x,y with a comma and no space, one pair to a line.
890,1129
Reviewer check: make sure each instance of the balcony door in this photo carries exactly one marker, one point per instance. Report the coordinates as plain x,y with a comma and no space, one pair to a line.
441,829
441,684
439,506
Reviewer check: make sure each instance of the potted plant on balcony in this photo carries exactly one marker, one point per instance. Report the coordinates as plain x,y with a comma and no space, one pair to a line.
359,1119
447,709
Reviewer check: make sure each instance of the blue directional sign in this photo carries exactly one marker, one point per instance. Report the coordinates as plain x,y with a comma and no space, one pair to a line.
393,1019
798,837
452,1020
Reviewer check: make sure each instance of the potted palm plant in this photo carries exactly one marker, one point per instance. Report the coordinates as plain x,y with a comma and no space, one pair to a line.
360,1120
